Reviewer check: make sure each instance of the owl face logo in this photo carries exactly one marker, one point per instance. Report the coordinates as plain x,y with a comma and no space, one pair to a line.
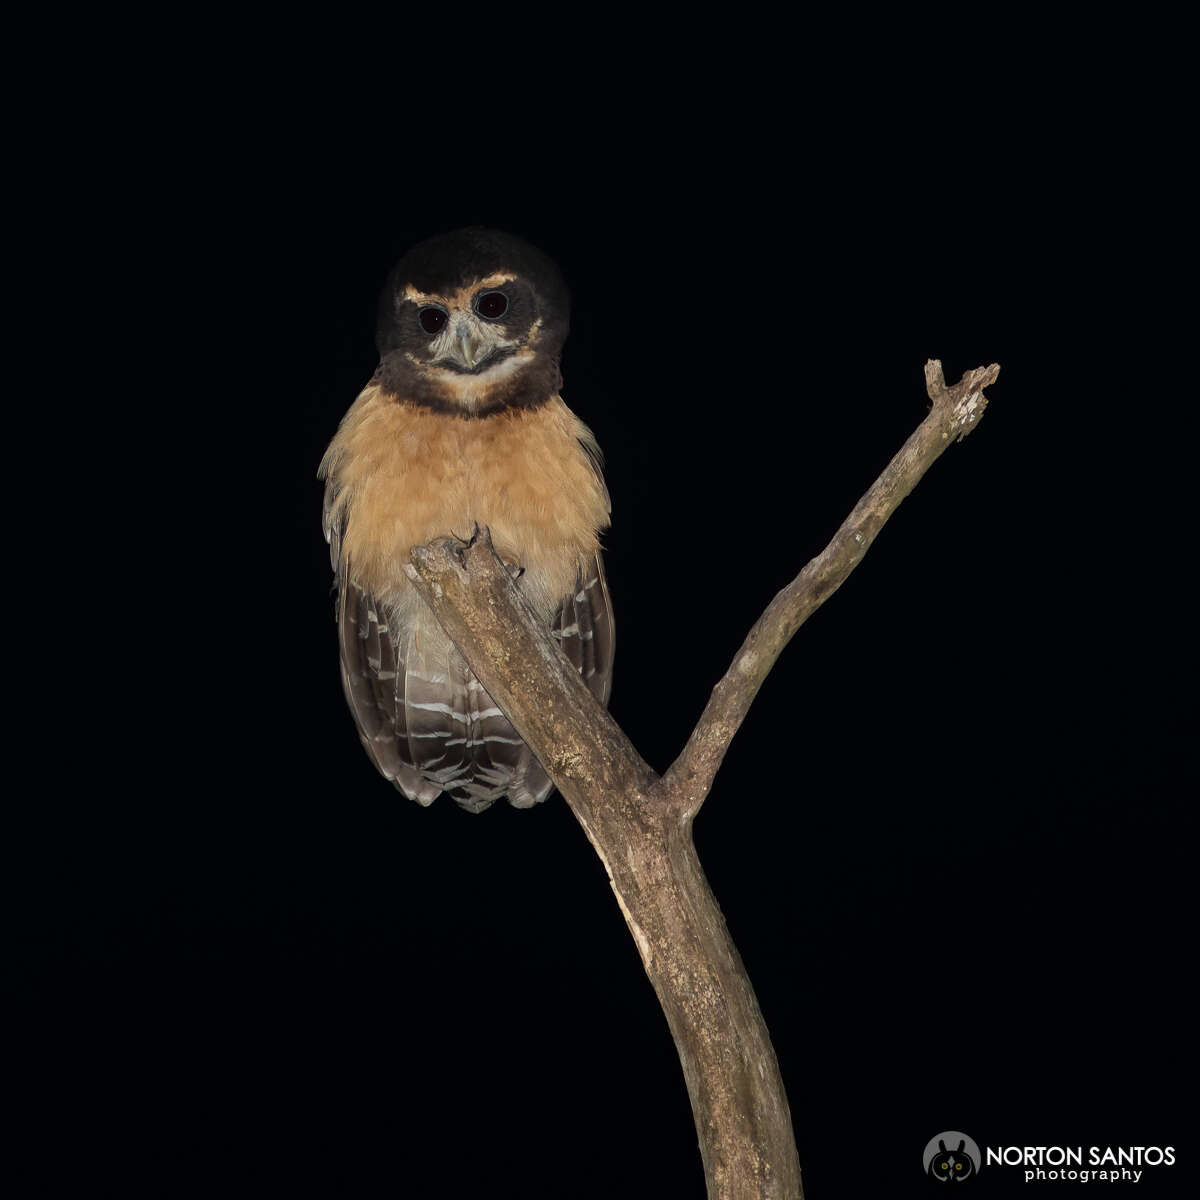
951,1166
951,1157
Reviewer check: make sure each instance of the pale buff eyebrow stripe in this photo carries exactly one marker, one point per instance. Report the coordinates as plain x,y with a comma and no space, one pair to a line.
462,295
411,293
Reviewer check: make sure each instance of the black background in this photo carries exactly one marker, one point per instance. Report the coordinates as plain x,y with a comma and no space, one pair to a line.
948,840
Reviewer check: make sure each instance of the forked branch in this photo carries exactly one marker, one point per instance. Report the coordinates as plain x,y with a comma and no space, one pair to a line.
954,413
640,825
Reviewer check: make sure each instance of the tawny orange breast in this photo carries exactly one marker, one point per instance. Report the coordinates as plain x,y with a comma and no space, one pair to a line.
405,475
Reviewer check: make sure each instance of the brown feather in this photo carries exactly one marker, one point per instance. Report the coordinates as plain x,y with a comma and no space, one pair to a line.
398,476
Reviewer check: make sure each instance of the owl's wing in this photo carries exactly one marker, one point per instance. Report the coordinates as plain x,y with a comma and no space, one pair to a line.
373,679
584,627
585,619
370,669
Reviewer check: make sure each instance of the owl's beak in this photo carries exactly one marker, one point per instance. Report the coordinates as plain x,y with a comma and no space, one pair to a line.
467,348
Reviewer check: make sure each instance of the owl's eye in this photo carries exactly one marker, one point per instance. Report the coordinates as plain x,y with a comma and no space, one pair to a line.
492,305
958,1166
432,319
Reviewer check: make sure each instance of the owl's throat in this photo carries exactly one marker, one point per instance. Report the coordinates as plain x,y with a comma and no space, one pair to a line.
510,379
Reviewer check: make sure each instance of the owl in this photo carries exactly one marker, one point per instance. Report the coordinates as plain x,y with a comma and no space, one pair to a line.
951,1166
462,424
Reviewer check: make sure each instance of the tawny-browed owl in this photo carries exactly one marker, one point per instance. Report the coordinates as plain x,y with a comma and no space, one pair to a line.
462,424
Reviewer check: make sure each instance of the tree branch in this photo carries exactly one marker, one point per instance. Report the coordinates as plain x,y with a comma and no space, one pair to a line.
955,412
640,825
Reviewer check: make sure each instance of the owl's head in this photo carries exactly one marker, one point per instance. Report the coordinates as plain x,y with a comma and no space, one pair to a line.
951,1166
472,322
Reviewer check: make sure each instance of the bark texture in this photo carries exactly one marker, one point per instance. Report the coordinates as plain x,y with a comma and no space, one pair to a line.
640,824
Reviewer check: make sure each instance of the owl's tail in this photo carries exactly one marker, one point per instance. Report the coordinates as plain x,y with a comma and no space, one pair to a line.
456,738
